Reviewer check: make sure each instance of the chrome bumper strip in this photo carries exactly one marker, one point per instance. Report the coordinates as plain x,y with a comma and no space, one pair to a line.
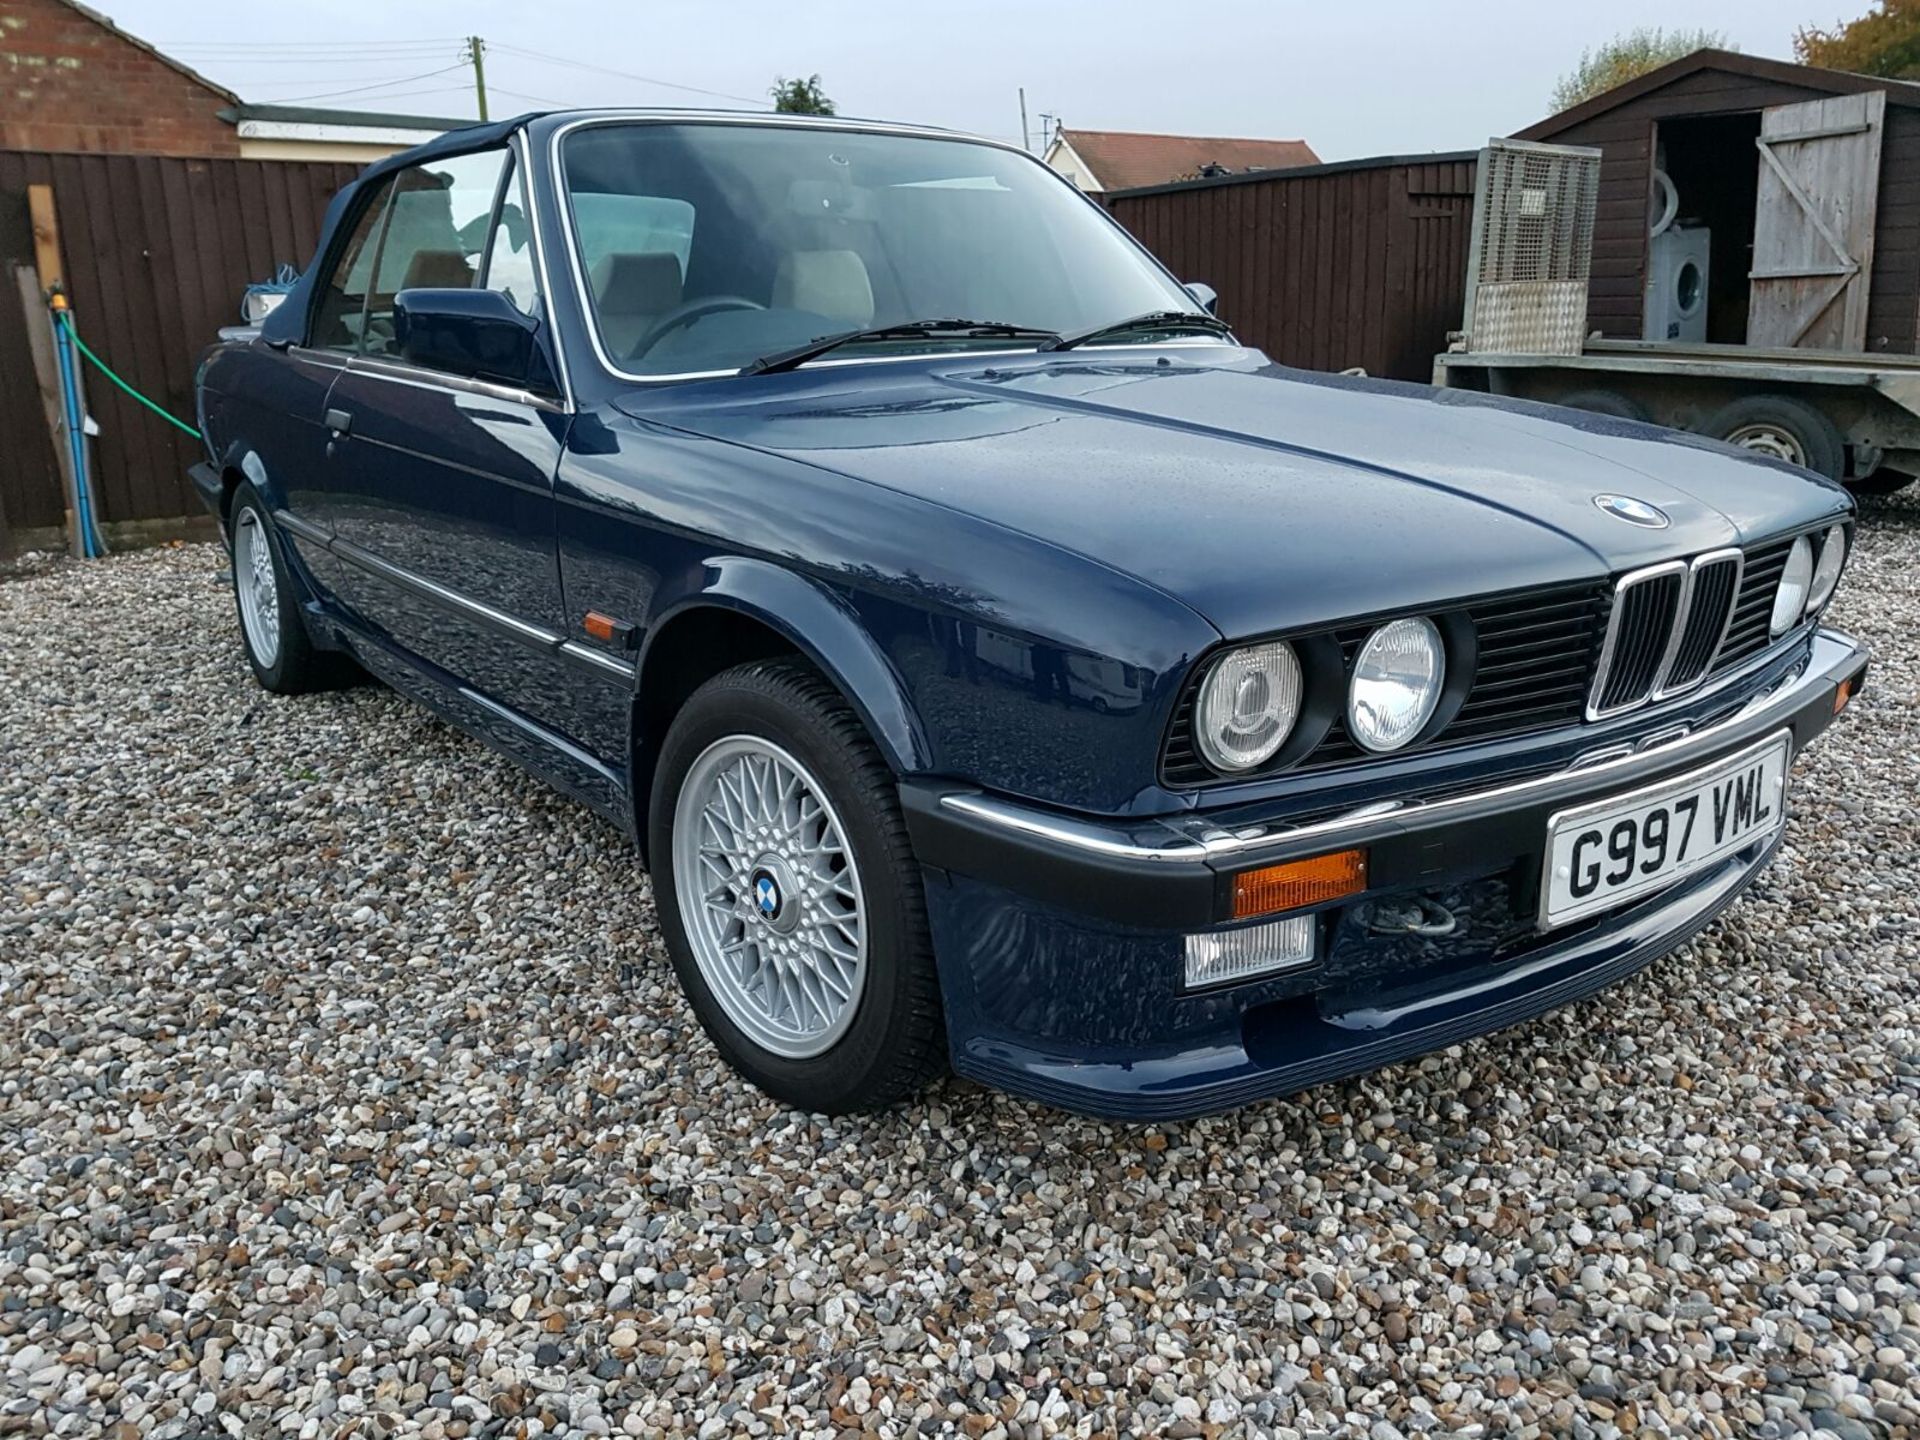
1119,841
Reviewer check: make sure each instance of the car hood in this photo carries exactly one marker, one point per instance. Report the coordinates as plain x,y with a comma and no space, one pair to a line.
1261,497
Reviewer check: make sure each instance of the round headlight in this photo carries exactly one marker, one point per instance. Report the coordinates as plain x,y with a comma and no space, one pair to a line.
1790,600
1396,684
1826,570
1248,705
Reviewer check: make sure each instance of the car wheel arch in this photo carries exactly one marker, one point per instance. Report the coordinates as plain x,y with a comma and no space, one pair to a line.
750,610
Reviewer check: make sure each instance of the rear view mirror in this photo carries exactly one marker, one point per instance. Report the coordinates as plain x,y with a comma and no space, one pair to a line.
480,334
1204,293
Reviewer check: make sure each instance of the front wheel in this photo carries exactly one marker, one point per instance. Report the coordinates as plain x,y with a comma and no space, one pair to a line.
789,895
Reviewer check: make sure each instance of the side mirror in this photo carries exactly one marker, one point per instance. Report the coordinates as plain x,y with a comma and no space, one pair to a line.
1204,293
480,334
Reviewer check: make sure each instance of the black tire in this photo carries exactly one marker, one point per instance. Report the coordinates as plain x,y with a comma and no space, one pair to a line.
896,1041
1607,402
295,666
1783,427
1881,482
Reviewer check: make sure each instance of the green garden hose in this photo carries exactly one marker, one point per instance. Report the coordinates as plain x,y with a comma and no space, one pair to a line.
66,319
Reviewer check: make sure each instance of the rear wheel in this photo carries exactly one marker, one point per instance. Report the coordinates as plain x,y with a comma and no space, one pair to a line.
1783,427
272,631
789,895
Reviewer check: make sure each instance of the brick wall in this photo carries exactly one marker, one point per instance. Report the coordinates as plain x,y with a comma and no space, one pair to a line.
69,82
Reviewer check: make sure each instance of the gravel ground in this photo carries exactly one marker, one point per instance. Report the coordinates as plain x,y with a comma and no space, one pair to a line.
344,1091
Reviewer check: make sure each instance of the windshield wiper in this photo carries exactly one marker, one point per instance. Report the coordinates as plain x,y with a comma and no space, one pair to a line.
901,330
1152,320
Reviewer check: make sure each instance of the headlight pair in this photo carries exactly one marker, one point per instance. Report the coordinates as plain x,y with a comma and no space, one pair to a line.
1807,583
1251,698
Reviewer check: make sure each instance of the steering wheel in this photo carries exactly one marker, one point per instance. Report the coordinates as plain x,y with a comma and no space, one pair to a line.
688,311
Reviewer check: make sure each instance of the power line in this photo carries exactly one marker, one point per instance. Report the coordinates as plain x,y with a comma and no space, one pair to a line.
362,89
536,99
302,46
623,74
397,95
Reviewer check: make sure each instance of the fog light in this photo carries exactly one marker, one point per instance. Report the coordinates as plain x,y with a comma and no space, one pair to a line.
1222,955
1298,884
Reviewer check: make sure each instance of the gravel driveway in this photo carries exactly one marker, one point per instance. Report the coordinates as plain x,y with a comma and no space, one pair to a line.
344,1090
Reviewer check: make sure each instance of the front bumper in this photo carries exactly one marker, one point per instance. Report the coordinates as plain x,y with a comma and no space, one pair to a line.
1060,940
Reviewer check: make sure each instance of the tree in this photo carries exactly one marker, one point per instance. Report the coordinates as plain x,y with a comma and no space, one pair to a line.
1885,41
1628,55
800,97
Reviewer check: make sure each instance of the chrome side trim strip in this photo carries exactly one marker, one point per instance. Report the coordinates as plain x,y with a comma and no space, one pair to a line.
452,599
304,530
537,636
400,372
1371,822
596,659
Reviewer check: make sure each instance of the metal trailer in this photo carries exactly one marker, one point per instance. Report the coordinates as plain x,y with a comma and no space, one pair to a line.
1853,417
1850,415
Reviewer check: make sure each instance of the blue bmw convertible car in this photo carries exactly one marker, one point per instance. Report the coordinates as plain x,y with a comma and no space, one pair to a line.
996,664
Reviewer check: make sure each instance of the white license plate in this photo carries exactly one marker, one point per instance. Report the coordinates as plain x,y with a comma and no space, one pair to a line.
1610,851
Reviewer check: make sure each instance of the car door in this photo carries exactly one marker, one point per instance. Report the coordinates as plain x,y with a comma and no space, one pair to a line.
441,486
289,461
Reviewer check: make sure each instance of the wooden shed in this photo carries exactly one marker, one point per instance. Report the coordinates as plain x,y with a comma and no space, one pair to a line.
1361,263
1799,187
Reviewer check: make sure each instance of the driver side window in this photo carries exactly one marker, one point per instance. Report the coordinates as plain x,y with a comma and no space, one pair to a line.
434,235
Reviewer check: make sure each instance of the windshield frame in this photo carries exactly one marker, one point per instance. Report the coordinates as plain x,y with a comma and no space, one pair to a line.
583,300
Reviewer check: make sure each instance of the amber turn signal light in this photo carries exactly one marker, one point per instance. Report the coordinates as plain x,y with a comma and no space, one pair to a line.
1842,695
1299,883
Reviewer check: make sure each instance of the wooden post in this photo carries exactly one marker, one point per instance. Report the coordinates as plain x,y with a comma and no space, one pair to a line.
46,379
48,273
46,237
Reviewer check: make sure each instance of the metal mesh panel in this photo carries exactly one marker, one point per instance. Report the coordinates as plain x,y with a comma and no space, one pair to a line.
1532,248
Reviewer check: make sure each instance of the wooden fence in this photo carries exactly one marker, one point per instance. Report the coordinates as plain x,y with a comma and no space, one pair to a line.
1325,267
157,253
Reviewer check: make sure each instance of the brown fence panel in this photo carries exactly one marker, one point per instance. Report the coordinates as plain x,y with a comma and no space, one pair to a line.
158,251
1328,266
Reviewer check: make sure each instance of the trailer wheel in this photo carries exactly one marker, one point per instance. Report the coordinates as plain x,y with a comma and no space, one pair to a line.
1783,427
1607,402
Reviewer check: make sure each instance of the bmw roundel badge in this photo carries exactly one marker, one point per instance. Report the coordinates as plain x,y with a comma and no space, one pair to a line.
766,895
1634,512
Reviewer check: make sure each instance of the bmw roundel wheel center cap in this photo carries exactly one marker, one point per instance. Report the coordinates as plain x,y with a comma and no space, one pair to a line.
769,894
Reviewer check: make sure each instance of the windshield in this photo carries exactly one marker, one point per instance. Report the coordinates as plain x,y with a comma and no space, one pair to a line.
706,246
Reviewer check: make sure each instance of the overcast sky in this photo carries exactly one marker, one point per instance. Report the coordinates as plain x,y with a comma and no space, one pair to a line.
1351,77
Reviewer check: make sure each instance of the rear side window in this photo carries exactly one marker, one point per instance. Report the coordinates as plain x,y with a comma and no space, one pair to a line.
343,299
434,236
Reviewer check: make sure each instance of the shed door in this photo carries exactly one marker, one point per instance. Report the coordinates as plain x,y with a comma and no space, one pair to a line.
1813,227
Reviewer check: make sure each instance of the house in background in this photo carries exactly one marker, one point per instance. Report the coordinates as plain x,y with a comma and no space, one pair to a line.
71,81
1101,160
300,132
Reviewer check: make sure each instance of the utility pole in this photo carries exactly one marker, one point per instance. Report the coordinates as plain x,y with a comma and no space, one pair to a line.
476,50
1026,136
